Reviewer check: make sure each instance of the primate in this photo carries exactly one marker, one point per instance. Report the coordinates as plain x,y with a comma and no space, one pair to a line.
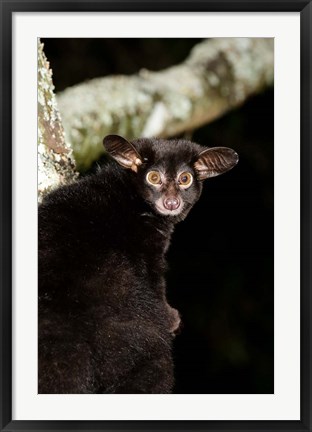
105,325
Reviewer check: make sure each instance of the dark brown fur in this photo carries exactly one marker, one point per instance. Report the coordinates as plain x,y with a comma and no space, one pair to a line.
104,323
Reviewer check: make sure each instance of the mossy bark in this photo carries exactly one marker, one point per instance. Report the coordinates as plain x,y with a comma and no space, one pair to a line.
56,164
219,74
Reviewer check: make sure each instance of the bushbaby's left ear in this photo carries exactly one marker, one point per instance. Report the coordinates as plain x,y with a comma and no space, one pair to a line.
215,161
122,151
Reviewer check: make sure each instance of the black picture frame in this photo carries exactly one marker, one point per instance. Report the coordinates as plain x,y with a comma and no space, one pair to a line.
8,7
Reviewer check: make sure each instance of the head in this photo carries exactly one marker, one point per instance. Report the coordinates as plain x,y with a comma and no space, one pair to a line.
169,173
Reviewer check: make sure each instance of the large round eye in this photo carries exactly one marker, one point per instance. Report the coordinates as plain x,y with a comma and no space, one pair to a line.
153,177
185,180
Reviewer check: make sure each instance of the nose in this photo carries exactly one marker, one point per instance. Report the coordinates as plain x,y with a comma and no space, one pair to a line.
171,203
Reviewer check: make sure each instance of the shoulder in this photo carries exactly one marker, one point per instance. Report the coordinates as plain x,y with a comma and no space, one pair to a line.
85,187
99,195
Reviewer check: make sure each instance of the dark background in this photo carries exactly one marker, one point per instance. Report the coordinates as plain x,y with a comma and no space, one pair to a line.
221,257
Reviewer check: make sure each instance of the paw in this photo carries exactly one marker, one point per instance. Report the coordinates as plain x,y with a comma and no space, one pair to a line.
175,321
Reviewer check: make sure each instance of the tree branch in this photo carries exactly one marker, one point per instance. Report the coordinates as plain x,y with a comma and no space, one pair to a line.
219,74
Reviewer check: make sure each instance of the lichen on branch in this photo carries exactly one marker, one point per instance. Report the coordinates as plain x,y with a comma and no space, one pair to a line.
218,75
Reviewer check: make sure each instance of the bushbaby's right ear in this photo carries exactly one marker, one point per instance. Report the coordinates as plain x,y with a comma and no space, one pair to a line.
122,151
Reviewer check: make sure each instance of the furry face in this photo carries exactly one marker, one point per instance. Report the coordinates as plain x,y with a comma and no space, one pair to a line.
169,184
168,193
